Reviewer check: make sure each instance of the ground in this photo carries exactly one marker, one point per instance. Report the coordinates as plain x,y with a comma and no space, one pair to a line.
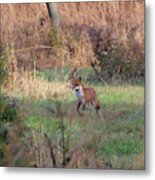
113,139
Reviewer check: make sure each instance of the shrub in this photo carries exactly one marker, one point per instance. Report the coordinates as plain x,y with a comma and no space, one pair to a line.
10,121
118,61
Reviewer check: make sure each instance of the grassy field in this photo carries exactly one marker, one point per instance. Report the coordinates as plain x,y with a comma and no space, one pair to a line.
39,123
58,136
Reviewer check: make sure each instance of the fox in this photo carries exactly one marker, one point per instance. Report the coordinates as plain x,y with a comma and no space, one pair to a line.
85,95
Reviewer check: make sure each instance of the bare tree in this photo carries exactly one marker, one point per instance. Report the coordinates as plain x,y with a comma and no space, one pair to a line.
53,13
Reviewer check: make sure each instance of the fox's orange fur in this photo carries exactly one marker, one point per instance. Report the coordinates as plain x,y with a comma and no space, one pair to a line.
85,95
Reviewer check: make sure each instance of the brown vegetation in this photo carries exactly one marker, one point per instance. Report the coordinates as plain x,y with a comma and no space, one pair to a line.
86,30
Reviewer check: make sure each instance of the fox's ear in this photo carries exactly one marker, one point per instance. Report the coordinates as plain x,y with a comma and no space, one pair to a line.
80,79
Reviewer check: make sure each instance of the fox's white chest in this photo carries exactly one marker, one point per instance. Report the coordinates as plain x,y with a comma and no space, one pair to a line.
79,94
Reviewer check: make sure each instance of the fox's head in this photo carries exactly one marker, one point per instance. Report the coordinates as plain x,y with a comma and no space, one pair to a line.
77,83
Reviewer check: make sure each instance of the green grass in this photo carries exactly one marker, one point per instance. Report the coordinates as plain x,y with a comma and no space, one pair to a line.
116,136
61,74
50,75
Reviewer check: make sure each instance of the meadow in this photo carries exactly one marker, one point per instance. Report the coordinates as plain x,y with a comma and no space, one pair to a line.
57,136
40,126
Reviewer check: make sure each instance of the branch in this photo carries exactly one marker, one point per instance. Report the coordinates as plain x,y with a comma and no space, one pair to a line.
33,48
72,74
53,158
97,73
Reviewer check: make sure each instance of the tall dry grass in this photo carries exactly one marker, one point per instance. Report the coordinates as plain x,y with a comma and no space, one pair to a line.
118,18
25,83
28,86
83,25
21,24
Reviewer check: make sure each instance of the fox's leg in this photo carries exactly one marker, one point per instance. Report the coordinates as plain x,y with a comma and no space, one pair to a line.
92,103
97,109
95,104
78,106
87,106
84,106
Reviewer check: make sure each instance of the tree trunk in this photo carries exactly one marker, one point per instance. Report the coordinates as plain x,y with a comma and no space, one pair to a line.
53,13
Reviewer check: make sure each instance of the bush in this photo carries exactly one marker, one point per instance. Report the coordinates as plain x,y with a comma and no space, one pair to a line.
10,122
116,60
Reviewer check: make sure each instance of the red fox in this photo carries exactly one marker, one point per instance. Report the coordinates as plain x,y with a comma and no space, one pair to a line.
85,95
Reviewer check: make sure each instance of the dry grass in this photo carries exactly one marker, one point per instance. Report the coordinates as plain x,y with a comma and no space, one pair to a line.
24,28
116,17
83,25
28,86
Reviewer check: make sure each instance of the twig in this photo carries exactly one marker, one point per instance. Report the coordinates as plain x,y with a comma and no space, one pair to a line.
51,151
63,142
72,74
97,73
32,48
